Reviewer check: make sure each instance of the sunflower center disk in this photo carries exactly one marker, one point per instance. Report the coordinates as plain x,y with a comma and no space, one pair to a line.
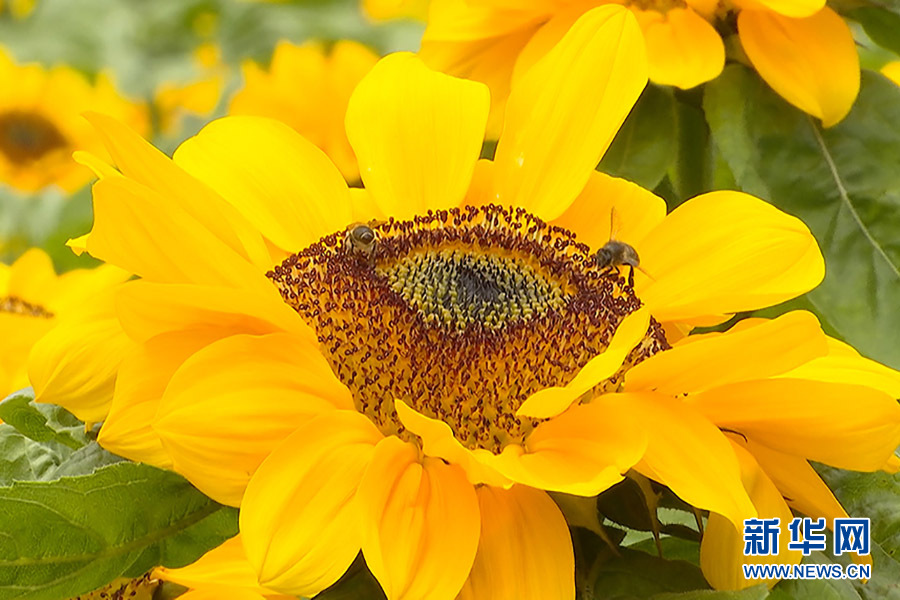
26,137
462,314
17,306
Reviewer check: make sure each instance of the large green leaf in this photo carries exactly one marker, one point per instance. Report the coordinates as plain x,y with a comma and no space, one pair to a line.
876,496
42,422
72,535
843,182
882,25
645,146
640,575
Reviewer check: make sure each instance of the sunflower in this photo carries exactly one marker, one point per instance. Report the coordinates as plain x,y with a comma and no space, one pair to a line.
801,48
308,87
41,123
41,311
406,369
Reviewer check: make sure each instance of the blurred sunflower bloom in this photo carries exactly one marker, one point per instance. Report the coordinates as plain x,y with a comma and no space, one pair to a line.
308,88
383,10
41,123
172,101
892,71
19,9
801,48
38,309
400,385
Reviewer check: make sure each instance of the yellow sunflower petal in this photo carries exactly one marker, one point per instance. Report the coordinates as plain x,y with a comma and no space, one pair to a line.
300,524
142,378
280,182
227,593
75,365
798,482
683,48
165,243
848,426
892,71
147,309
690,455
32,277
612,208
550,402
788,8
525,550
768,349
722,547
138,160
417,134
583,451
843,364
811,62
725,252
438,440
231,403
420,523
223,567
563,113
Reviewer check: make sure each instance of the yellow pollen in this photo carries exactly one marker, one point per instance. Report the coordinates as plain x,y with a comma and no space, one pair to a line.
26,137
17,306
462,314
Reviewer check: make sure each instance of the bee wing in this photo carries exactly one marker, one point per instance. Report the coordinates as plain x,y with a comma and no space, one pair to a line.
613,223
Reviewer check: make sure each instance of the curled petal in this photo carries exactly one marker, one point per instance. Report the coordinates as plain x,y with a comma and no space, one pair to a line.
524,552
420,523
704,362
300,524
550,402
683,48
583,451
811,62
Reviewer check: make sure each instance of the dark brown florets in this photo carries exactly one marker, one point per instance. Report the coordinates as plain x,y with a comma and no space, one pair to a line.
462,314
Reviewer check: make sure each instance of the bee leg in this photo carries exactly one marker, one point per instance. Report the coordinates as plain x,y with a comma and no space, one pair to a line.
631,277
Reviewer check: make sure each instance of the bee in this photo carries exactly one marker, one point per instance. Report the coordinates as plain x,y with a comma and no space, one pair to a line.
615,253
361,239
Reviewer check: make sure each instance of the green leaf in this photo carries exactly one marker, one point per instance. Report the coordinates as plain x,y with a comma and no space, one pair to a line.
72,535
42,422
357,583
841,181
882,25
816,589
640,575
757,592
876,496
645,146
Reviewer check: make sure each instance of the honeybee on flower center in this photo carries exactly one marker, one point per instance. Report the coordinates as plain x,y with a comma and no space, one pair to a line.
361,239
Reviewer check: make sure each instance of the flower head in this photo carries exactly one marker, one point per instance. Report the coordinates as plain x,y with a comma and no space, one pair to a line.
41,123
802,49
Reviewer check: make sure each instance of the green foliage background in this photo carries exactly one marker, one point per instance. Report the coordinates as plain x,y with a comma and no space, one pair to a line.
733,133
